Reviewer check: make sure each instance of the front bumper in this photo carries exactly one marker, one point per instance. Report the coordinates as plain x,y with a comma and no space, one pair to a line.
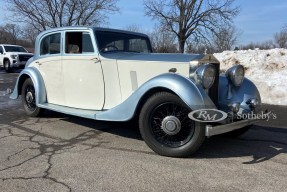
211,130
219,129
16,63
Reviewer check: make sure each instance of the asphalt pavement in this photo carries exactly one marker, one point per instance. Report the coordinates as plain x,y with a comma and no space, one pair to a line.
58,152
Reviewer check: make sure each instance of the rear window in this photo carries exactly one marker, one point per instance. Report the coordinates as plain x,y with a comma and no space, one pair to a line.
51,44
117,41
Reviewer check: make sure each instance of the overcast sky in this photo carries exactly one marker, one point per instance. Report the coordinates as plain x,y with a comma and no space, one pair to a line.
258,19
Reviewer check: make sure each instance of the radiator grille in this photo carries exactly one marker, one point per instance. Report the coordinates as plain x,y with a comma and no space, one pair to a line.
213,91
24,57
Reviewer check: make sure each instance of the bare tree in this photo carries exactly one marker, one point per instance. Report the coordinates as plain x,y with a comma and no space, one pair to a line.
269,44
10,33
134,28
187,18
199,46
162,41
44,14
4,36
225,38
281,37
30,34
262,45
14,32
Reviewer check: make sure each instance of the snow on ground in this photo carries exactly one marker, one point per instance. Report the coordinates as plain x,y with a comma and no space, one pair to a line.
266,68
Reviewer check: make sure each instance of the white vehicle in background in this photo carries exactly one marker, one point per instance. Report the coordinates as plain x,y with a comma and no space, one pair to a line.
13,56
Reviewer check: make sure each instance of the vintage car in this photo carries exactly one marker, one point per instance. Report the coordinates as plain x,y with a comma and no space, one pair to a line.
112,75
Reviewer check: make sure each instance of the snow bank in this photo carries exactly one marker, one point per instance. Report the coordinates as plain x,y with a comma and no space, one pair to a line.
266,68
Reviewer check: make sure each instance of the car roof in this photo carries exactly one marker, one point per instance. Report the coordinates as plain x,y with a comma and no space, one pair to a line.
89,28
118,30
11,45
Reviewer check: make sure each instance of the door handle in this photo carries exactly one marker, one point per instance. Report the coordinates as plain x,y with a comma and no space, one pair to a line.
96,59
37,62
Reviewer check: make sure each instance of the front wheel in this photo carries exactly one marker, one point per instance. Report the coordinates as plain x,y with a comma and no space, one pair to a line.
166,128
7,66
29,99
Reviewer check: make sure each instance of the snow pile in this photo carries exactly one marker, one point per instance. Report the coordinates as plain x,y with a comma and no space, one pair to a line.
266,68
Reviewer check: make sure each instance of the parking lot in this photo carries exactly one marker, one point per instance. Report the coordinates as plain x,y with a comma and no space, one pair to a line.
58,152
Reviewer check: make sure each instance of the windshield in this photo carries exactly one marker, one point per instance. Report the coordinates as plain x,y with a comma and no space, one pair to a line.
9,48
115,41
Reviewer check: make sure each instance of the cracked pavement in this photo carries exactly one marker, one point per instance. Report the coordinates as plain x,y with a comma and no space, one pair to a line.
58,152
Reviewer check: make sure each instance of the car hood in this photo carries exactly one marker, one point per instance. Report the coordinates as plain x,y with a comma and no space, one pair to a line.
157,57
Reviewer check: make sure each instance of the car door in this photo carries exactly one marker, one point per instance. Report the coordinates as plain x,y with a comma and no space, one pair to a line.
50,67
83,75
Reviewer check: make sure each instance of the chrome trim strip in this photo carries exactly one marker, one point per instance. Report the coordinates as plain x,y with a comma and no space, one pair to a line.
134,80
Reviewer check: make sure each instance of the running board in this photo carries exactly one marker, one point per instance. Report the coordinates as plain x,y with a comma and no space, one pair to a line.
90,114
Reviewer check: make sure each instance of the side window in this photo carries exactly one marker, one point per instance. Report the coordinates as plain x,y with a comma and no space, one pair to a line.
138,45
78,43
51,44
1,50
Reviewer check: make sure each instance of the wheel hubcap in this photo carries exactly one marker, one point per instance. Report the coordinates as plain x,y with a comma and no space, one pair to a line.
29,97
171,125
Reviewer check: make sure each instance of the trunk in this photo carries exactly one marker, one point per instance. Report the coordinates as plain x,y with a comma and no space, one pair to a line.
181,44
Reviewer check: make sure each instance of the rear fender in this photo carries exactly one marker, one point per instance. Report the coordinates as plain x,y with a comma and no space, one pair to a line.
38,82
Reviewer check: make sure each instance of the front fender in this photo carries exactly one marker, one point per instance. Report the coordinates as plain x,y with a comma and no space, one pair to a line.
194,96
9,59
247,90
38,82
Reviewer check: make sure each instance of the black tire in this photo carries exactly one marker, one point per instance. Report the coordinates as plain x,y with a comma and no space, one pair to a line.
238,132
165,126
29,99
7,66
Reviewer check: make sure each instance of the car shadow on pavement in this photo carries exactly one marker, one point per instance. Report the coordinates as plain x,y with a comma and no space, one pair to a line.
125,129
261,147
261,143
13,70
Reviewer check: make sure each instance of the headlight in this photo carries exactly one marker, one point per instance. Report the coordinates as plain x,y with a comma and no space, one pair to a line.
14,56
205,75
235,74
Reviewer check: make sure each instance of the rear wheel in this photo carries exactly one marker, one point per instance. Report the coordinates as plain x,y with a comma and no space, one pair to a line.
166,128
7,66
29,99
